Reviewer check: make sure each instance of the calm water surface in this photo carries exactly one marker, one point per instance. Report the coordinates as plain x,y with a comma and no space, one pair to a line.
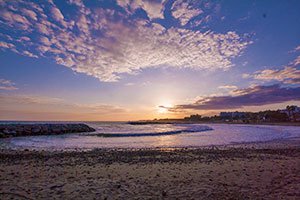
122,135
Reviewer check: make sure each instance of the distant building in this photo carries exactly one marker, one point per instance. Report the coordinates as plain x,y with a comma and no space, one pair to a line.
293,112
295,109
193,118
235,114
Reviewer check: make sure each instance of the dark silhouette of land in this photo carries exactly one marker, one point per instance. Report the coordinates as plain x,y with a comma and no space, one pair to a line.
288,116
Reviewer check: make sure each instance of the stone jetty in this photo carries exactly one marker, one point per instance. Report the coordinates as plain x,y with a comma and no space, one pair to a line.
15,130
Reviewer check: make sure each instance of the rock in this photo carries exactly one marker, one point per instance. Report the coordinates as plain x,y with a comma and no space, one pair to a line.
56,130
56,186
5,131
36,130
44,130
13,130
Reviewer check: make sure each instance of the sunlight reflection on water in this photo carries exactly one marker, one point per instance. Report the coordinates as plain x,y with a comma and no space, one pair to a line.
221,134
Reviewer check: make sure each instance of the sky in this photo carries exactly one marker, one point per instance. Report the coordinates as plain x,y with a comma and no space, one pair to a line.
122,60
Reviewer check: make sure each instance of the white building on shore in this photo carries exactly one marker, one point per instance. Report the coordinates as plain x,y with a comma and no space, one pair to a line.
293,112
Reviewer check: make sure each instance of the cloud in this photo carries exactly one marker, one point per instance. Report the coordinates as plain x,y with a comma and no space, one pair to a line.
6,45
29,99
7,85
297,61
184,12
228,87
29,13
154,9
252,96
129,84
288,75
14,20
57,15
29,54
106,43
55,104
245,75
32,107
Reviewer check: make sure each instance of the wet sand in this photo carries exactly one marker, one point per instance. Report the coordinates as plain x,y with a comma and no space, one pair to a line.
252,171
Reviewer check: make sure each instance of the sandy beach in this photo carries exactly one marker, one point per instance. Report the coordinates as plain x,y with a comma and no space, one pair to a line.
251,171
149,99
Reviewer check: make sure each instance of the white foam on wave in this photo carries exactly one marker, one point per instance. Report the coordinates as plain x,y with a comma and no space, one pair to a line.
191,129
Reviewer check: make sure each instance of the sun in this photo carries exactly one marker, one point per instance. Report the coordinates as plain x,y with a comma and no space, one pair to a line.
164,108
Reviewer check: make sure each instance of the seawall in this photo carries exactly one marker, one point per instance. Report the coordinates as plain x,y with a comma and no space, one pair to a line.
15,130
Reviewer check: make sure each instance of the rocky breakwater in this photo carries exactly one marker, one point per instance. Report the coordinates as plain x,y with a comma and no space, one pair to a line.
15,130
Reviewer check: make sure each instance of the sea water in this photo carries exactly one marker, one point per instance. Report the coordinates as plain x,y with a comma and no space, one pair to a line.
123,135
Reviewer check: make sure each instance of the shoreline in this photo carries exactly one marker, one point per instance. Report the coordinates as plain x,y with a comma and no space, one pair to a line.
248,171
149,122
271,144
146,122
276,144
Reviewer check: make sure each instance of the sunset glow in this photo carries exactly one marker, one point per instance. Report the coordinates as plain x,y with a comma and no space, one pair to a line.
127,60
164,107
149,99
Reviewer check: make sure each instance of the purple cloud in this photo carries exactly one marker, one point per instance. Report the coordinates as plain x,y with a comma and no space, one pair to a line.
7,85
252,96
288,75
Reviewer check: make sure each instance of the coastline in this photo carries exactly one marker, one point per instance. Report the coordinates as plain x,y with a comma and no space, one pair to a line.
241,171
145,122
34,129
263,123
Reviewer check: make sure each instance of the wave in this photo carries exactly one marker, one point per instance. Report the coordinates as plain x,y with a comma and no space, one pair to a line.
188,130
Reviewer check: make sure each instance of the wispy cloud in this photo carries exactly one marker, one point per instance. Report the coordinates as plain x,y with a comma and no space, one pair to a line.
29,99
45,103
154,9
296,61
184,12
288,75
252,96
6,45
228,87
106,43
7,85
33,107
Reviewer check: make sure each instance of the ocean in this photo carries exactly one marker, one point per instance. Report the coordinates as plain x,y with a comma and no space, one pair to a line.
123,135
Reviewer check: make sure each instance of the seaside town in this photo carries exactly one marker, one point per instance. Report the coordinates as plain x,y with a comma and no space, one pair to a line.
290,114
